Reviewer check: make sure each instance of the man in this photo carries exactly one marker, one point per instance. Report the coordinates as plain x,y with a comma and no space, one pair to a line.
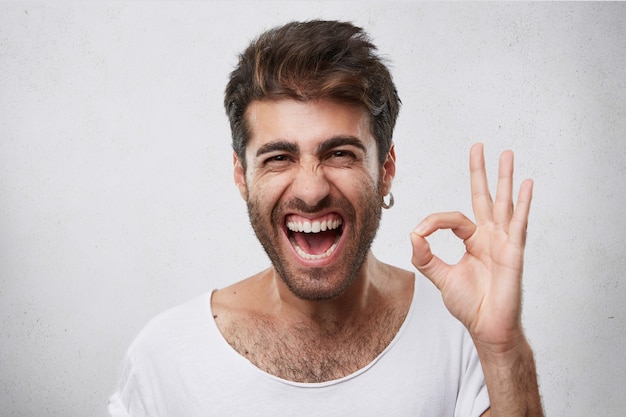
329,330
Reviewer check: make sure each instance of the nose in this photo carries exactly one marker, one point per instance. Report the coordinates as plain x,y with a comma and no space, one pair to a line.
310,184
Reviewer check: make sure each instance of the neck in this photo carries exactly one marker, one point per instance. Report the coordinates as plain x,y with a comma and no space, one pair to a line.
359,297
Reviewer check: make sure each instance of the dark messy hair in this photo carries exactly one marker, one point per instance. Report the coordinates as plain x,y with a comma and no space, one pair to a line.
308,61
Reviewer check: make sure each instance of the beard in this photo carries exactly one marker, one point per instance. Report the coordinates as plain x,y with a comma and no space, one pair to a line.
326,282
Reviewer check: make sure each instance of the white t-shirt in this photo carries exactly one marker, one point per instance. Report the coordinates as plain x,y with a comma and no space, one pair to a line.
181,366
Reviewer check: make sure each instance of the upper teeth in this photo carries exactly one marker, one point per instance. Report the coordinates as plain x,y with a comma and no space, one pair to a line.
315,226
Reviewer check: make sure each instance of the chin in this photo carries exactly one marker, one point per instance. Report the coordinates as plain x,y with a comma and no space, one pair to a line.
317,284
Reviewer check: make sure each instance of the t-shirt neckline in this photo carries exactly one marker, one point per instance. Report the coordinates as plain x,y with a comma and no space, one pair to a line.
252,367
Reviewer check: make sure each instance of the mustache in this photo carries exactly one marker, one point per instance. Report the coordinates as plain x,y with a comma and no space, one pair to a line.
327,204
299,205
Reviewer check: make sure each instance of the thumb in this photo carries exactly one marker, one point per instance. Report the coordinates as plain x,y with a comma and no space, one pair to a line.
431,266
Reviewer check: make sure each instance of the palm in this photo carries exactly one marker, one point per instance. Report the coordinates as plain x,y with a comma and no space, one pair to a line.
483,290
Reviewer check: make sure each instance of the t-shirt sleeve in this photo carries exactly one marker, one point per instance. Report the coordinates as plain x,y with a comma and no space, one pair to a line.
131,398
153,361
116,407
473,398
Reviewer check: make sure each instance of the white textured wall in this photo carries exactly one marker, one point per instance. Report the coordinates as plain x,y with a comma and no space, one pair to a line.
116,197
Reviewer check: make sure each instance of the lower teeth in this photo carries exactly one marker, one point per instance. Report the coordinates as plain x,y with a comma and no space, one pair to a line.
310,257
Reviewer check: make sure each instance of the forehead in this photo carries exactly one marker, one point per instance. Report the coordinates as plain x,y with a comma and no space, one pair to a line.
306,122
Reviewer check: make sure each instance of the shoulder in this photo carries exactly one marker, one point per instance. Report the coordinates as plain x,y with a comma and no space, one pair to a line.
171,329
437,340
395,284
431,319
193,312
251,294
175,354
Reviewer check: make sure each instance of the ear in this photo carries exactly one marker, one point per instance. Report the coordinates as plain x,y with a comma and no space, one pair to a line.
388,170
240,177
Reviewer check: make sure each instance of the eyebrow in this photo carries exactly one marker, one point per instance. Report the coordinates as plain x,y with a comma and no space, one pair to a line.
280,145
290,147
340,141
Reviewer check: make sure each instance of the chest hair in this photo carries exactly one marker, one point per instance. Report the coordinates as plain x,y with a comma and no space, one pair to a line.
302,352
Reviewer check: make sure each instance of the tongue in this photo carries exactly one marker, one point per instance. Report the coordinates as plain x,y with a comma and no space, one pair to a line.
315,243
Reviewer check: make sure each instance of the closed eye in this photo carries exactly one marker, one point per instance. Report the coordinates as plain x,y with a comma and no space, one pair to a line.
277,161
277,154
342,154
277,158
342,150
341,158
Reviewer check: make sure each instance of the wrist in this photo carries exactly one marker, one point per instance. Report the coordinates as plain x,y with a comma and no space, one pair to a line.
511,379
504,354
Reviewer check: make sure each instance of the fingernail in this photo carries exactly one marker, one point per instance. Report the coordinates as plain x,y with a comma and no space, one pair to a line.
420,229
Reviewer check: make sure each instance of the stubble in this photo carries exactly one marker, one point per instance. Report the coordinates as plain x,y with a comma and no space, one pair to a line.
313,283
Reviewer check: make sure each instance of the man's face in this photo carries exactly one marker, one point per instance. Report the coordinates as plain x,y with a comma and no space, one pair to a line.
313,187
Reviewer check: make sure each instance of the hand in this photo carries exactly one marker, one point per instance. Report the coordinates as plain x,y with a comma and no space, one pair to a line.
483,290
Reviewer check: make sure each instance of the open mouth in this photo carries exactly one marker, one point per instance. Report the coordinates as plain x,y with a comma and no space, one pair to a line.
314,239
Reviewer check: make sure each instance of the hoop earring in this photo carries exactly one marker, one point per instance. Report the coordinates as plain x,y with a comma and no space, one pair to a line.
389,205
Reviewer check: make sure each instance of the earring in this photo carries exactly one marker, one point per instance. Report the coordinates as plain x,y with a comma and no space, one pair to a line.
390,204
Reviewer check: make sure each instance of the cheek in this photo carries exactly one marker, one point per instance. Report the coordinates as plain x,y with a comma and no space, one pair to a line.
268,188
353,181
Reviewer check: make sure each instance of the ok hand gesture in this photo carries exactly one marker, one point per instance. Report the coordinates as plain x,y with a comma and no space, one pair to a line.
483,290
